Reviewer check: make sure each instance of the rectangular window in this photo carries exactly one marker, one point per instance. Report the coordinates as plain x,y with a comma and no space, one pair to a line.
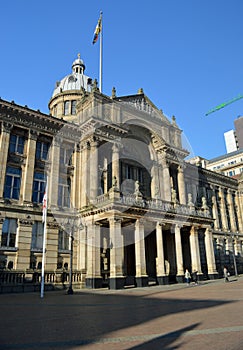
9,231
55,110
12,183
66,156
64,192
42,150
39,185
16,144
66,107
37,235
63,240
73,107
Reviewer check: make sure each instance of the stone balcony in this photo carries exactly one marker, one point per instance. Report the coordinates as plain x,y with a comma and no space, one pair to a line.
137,201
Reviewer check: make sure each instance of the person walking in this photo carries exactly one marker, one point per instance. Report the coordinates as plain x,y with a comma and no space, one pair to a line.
194,277
187,277
226,278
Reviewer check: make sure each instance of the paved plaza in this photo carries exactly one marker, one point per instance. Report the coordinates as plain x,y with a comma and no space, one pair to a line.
207,316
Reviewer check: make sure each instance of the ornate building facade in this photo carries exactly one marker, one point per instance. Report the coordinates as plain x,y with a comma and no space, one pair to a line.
119,192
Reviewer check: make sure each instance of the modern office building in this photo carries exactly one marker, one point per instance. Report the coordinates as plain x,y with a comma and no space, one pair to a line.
121,199
230,164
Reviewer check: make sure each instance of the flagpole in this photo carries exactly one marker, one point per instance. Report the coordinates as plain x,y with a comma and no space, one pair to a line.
44,219
101,52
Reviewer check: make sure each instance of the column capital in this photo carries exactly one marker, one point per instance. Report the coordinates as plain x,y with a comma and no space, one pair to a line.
116,147
93,141
7,127
115,220
181,167
26,221
33,134
57,141
194,229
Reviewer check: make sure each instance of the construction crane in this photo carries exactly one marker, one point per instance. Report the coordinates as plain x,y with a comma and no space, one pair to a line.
222,105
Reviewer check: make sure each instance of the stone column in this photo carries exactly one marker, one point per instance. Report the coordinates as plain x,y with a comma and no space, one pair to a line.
239,207
4,145
223,210
24,244
212,272
179,254
181,185
93,277
155,182
94,171
116,254
28,170
166,180
140,258
231,211
215,209
116,165
54,172
195,253
162,277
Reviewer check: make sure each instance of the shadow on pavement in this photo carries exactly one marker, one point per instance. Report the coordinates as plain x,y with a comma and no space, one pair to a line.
165,341
61,321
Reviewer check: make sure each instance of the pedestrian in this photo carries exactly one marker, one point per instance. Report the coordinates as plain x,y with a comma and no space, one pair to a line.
226,274
187,277
194,277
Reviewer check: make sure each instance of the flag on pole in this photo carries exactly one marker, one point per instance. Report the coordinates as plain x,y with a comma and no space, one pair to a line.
44,206
98,29
44,217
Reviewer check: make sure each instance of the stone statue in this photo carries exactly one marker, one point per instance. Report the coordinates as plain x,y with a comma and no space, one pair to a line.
190,203
174,196
204,203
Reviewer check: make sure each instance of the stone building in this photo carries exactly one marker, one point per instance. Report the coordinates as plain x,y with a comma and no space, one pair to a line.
119,190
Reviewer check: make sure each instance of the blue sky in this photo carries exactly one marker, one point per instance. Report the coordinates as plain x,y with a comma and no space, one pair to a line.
187,55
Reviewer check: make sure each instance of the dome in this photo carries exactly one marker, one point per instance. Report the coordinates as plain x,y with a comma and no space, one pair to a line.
74,81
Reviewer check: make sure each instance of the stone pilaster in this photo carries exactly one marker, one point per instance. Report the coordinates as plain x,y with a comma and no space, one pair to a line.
85,175
54,172
75,187
93,166
4,145
51,245
24,243
162,278
116,254
141,274
223,210
212,272
28,169
231,210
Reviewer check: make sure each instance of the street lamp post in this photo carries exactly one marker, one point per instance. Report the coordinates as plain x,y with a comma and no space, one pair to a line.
234,259
70,287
